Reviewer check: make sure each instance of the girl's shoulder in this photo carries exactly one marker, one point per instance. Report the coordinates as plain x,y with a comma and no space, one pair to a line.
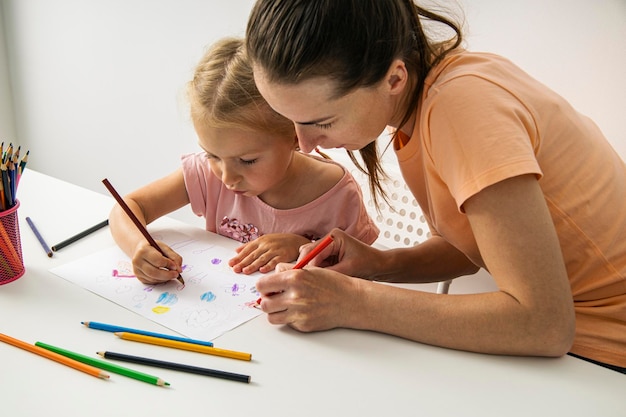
321,175
322,166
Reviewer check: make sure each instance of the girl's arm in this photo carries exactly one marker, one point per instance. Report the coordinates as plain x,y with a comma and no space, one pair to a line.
149,203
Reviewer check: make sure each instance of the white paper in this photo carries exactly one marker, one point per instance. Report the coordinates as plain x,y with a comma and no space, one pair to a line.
213,300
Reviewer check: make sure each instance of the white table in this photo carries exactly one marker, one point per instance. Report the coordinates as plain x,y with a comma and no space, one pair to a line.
338,372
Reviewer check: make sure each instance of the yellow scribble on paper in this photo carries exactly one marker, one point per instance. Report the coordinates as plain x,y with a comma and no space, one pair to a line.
160,309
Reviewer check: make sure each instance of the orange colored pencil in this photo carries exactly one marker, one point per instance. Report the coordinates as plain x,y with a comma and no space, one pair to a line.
9,250
54,356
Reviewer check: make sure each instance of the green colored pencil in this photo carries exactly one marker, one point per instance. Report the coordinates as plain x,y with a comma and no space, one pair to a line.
108,366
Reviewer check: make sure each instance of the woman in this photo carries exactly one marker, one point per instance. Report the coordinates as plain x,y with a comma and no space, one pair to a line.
510,177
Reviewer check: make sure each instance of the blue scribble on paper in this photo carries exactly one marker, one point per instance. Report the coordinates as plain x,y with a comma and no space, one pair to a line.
216,261
167,299
208,296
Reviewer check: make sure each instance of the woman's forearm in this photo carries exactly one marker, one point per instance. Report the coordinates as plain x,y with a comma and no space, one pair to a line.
431,261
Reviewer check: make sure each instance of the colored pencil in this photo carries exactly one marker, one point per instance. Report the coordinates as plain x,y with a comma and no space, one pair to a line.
107,366
43,243
80,235
54,356
185,346
6,244
135,220
23,163
6,185
2,196
309,257
176,366
112,328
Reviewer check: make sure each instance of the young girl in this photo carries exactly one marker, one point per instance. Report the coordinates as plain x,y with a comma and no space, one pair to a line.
251,183
510,177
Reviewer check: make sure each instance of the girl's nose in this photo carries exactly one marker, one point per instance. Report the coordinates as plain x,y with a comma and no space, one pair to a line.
229,177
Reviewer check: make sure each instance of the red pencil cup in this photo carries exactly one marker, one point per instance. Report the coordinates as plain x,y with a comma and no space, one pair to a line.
11,259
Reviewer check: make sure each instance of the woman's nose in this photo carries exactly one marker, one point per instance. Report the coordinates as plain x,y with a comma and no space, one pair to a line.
306,141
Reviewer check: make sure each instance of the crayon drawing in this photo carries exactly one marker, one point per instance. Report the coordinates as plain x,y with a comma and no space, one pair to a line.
213,300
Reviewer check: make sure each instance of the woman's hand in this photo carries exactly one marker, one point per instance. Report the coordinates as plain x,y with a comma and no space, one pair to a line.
264,253
151,267
309,299
346,255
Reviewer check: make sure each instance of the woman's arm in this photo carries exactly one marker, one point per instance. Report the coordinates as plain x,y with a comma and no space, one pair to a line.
531,314
431,261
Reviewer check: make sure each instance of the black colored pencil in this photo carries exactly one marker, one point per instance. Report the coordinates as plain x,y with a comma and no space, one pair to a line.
80,235
176,366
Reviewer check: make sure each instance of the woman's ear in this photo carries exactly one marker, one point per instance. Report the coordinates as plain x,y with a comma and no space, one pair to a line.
397,77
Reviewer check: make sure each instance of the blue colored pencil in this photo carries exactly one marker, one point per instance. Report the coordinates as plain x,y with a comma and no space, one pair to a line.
43,243
113,328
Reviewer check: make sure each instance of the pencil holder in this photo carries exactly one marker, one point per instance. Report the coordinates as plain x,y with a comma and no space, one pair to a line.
11,260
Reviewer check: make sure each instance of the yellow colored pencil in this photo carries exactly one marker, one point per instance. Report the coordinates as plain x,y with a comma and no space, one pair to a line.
54,356
185,346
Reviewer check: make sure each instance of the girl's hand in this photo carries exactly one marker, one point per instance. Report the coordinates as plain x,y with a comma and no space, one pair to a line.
150,267
265,252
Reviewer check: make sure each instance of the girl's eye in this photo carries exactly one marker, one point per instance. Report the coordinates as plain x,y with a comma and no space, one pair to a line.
324,126
248,161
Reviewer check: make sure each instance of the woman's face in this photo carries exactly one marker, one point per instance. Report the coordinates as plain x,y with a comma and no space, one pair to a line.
351,121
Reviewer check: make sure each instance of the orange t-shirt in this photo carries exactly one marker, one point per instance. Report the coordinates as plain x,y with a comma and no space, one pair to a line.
482,120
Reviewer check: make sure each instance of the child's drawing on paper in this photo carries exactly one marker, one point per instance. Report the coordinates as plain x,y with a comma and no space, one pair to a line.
214,299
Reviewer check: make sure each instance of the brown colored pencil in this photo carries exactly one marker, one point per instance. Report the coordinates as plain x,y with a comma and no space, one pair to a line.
135,220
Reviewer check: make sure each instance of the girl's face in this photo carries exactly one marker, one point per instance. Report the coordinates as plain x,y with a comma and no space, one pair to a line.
351,121
250,163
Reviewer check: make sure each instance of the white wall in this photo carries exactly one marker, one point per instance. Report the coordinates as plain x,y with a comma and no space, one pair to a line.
7,121
97,84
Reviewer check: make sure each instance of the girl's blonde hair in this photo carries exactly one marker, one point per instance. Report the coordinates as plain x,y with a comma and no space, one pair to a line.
222,93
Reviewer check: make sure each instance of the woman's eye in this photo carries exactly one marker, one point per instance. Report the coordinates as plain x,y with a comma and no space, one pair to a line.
324,126
248,161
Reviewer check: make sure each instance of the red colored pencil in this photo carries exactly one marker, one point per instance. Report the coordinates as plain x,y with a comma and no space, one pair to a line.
309,257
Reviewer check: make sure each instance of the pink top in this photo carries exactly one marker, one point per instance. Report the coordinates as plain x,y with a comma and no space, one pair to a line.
482,120
246,218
